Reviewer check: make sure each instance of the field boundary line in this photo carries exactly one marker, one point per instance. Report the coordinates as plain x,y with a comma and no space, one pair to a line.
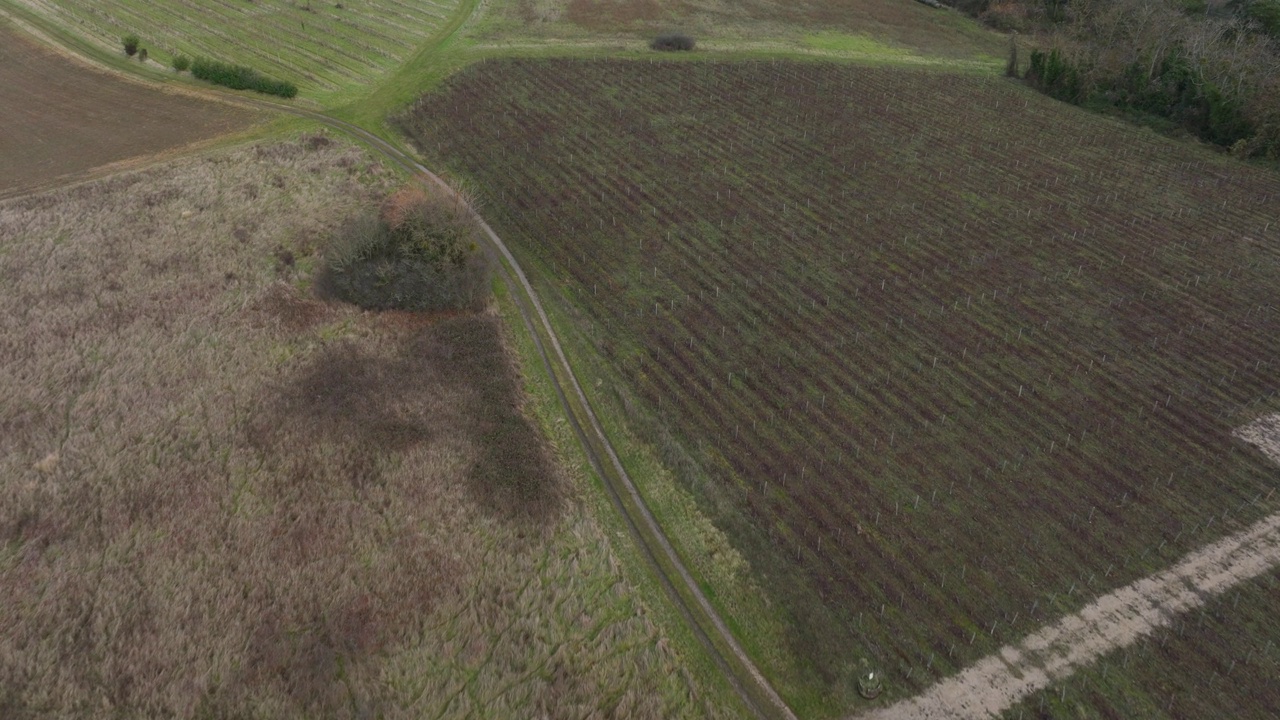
700,615
133,164
1114,621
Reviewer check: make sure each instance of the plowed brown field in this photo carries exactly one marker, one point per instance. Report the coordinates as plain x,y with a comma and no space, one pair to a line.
60,118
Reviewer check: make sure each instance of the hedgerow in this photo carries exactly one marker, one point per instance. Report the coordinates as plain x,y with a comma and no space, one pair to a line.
672,41
239,77
1173,88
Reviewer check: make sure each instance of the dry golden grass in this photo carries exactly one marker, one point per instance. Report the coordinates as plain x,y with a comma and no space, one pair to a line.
224,498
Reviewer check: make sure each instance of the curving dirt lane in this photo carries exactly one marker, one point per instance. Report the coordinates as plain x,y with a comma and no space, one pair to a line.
995,683
753,689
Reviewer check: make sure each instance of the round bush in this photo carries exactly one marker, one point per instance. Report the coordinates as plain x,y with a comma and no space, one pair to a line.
181,63
672,41
130,43
419,253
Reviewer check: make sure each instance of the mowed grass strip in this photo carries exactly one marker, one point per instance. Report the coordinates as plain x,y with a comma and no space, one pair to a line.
225,498
61,118
328,49
957,356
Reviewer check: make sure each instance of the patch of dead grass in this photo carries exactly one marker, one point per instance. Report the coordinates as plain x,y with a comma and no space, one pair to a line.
227,498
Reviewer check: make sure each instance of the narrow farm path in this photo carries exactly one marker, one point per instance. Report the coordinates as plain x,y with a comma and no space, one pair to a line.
701,617
1111,622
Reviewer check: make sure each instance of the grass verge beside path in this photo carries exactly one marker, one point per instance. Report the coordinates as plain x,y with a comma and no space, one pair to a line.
700,615
661,466
721,700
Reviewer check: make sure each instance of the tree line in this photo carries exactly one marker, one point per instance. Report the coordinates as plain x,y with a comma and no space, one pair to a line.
1210,67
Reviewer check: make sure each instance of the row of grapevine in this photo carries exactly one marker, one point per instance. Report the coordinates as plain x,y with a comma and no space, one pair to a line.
961,357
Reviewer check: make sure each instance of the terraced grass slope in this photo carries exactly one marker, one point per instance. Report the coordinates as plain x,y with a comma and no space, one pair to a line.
946,357
327,48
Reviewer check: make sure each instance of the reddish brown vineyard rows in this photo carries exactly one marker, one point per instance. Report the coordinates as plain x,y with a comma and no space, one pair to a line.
968,356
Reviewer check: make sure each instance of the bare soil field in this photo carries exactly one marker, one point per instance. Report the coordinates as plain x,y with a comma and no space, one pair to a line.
59,117
226,498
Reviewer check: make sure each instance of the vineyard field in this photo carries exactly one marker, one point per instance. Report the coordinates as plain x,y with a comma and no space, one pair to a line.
950,358
1218,661
326,48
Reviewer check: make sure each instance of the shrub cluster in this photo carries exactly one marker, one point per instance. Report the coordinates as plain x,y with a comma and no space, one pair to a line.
1172,89
1266,13
239,77
418,253
1215,75
672,41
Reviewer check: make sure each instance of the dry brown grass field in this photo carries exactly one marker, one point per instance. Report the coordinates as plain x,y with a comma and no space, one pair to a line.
225,498
60,117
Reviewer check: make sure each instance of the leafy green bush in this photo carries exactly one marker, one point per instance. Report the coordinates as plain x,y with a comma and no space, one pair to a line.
181,63
239,77
419,253
1053,75
1172,91
1267,14
672,41
130,44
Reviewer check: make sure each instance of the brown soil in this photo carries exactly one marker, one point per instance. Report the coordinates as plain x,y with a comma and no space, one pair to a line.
59,118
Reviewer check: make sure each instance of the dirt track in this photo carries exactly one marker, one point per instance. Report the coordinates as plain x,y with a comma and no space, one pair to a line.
60,118
1113,621
704,621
